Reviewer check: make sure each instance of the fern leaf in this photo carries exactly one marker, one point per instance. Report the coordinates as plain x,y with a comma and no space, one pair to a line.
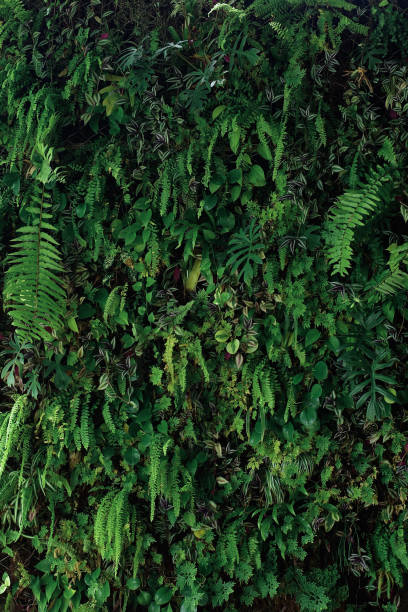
107,417
111,304
120,519
85,426
320,128
387,151
34,293
348,214
392,281
100,532
10,428
168,359
155,454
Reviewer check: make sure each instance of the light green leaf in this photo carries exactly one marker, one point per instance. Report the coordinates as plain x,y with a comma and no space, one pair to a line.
264,151
234,139
72,324
222,335
233,346
218,110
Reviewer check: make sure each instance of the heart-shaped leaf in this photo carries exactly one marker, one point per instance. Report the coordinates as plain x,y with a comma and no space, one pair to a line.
163,595
312,336
257,176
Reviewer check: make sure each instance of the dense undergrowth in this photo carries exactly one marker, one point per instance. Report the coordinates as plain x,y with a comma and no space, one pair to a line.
204,249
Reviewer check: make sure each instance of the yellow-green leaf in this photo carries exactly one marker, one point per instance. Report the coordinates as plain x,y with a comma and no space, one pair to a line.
218,110
72,324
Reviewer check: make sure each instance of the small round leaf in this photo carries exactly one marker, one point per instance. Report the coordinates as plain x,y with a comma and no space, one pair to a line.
320,370
133,584
233,346
163,595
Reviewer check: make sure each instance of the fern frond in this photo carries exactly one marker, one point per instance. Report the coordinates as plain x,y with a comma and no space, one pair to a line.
387,151
174,482
155,454
100,525
196,351
107,417
73,410
348,214
120,519
320,128
33,293
392,281
9,429
111,304
168,359
268,389
85,426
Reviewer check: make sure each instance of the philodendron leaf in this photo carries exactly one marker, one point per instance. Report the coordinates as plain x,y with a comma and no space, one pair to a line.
256,176
312,336
235,192
163,595
235,176
216,182
264,151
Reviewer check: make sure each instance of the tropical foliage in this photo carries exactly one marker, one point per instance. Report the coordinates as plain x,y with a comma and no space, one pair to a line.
204,246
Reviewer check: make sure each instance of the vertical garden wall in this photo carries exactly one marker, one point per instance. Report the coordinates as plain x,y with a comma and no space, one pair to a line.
203,333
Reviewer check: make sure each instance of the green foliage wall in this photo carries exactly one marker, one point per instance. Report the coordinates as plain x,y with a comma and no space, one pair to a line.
204,250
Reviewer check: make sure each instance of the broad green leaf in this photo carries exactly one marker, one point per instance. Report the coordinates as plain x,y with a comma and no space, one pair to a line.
210,201
72,324
163,595
320,370
234,139
144,598
308,417
235,192
256,176
316,391
129,233
193,276
235,176
312,336
264,151
133,583
131,456
233,346
216,182
222,335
